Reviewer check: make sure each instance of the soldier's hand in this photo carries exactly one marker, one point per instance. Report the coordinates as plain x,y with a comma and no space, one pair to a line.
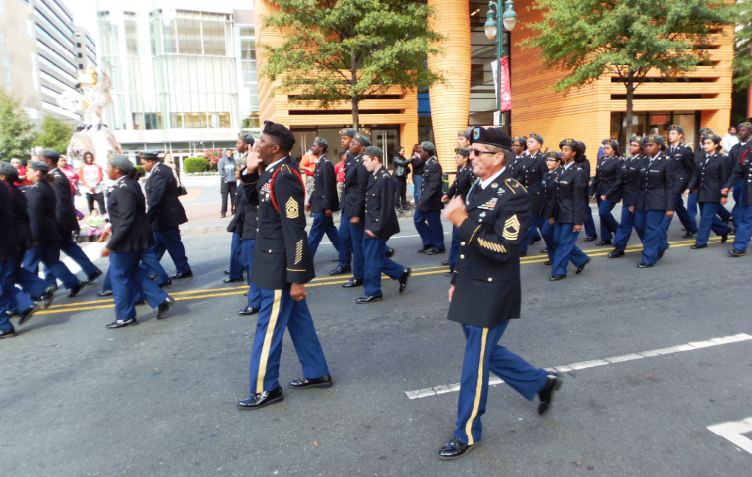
105,252
354,220
297,291
252,163
308,207
450,293
669,213
631,208
456,212
444,199
577,228
552,221
603,197
724,191
724,200
328,212
370,234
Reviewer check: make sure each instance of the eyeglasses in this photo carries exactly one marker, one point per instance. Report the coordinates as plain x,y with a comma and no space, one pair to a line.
478,152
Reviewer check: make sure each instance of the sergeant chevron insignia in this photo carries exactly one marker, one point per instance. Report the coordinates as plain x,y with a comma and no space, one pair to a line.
511,228
291,208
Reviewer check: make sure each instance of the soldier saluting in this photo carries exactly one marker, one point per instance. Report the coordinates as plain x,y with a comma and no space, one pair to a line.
486,291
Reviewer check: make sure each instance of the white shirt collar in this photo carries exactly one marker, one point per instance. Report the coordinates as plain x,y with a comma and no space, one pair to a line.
275,163
485,183
567,166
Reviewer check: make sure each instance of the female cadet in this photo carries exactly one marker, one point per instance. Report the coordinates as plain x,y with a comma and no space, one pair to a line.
707,181
629,172
529,173
553,162
742,172
519,146
606,189
582,161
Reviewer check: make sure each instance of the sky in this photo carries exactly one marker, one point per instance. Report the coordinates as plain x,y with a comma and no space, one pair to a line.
84,14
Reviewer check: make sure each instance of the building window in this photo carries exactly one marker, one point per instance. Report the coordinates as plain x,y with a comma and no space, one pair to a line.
189,36
214,38
477,77
131,37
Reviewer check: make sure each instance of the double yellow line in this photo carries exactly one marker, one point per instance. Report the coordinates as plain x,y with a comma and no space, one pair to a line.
205,293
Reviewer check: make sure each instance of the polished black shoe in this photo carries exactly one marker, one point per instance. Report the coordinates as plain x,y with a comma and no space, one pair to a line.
121,324
735,253
75,289
248,310
645,265
590,239
227,272
523,254
449,273
445,262
339,271
544,250
164,307
535,239
454,449
582,267
546,394
389,252
600,243
365,299
178,276
688,235
548,262
556,278
696,246
26,315
140,303
94,276
724,237
352,283
232,280
305,383
262,399
166,284
404,277
104,293
436,251
8,333
616,253
48,297
425,249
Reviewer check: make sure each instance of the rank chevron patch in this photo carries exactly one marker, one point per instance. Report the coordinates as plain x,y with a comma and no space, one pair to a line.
291,208
511,228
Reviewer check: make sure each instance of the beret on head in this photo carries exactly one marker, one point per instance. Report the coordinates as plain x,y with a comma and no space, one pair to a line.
677,128
462,151
428,146
39,166
51,154
7,169
284,136
321,142
362,139
493,137
467,133
654,138
373,151
574,144
149,156
745,124
347,132
636,140
247,138
537,137
122,163
715,138
522,141
611,142
553,155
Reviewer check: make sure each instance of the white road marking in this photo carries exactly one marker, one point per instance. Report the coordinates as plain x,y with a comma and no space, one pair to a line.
734,432
594,363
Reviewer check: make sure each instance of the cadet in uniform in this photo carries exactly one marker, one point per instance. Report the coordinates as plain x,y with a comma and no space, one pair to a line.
249,229
568,212
380,224
283,264
343,233
519,148
237,264
654,204
742,174
165,213
486,290
629,182
353,204
707,181
8,252
427,218
550,184
682,168
459,188
529,173
737,156
582,161
129,238
323,200
605,188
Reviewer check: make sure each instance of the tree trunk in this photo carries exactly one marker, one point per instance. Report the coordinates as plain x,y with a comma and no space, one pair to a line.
630,84
354,100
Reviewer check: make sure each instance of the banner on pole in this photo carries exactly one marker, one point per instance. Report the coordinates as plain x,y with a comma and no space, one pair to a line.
502,84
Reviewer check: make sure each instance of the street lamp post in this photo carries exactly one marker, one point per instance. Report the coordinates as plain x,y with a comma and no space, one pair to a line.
499,18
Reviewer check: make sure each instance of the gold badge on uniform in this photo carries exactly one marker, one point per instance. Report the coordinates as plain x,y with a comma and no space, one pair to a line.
494,185
291,208
489,205
511,228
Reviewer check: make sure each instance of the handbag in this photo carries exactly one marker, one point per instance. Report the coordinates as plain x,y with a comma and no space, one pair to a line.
182,190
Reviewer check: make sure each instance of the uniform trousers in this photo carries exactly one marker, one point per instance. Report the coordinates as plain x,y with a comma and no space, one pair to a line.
151,262
29,282
130,282
280,311
254,292
345,242
536,222
49,254
709,221
549,237
322,225
687,219
651,226
566,249
353,239
624,232
428,225
71,249
692,209
483,354
6,293
589,224
609,225
236,262
736,212
744,227
376,262
454,249
169,240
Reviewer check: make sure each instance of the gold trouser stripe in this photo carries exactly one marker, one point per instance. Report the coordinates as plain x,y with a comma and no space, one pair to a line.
478,389
276,307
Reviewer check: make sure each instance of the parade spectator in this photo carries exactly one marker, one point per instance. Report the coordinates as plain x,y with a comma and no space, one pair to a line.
94,225
307,166
92,181
729,140
227,168
21,181
339,170
418,165
70,173
401,170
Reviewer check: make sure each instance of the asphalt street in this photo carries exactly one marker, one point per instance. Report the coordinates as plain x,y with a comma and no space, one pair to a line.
650,358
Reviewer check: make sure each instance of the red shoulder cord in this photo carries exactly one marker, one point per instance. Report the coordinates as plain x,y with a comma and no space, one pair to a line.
271,187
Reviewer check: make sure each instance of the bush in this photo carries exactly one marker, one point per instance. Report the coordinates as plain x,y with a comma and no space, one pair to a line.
195,164
140,170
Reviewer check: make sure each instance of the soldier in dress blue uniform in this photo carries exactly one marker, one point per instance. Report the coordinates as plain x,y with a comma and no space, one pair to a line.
323,200
380,224
353,205
427,218
486,291
282,266
582,161
459,188
741,174
165,213
250,202
683,168
605,187
519,148
737,156
708,180
8,252
237,264
129,238
529,172
343,233
550,184
629,183
654,204
568,212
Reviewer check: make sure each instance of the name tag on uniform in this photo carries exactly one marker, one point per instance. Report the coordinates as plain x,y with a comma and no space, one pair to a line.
563,182
654,172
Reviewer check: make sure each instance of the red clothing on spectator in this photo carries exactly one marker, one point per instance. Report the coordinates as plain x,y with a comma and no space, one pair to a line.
70,173
339,169
308,163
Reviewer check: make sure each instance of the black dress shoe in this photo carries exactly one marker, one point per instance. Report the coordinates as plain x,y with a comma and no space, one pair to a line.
454,449
232,280
26,314
523,254
97,273
544,250
582,267
603,242
104,293
48,297
248,310
121,324
590,239
389,252
697,246
166,284
352,283
75,289
645,265
164,307
735,253
535,239
227,272
305,383
436,251
178,276
546,394
616,253
368,299
425,249
688,235
445,262
8,333
257,401
724,237
547,262
556,278
339,271
404,277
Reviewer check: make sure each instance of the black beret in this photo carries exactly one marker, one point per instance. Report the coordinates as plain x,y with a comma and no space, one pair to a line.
51,154
611,142
522,141
284,136
373,151
321,142
247,138
149,156
347,132
745,124
636,140
428,146
362,139
39,166
553,155
7,169
677,128
654,138
715,138
467,133
122,163
493,137
573,143
537,137
462,151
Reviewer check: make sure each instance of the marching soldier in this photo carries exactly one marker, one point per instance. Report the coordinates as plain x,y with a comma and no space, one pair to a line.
519,148
129,238
8,251
629,182
683,168
742,174
459,188
165,213
605,188
323,200
529,173
737,156
249,228
237,265
380,224
707,181
353,205
582,161
427,218
283,265
486,291
550,183
343,233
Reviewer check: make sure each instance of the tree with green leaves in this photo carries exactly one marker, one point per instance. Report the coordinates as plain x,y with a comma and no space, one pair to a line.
16,131
743,47
625,38
54,134
346,50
